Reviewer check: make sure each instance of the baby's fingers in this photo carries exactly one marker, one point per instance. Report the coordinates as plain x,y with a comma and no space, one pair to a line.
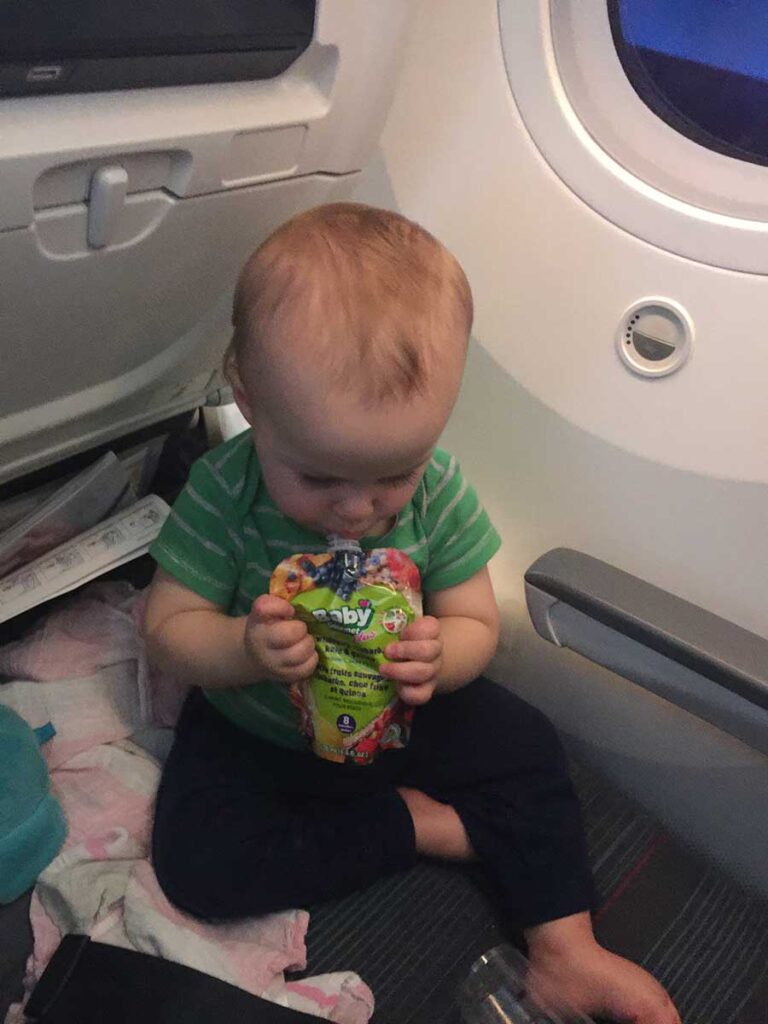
298,654
281,635
414,650
268,608
297,671
426,628
415,695
306,669
414,672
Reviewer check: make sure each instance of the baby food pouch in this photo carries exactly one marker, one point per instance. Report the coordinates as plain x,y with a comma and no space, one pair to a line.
355,603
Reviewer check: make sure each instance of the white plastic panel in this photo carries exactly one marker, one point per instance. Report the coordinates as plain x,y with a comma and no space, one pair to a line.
255,155
114,305
666,478
338,90
553,278
159,353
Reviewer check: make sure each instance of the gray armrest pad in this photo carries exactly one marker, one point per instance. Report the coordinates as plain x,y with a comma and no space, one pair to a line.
705,643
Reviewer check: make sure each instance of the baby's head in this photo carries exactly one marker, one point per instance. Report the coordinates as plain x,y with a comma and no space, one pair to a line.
350,335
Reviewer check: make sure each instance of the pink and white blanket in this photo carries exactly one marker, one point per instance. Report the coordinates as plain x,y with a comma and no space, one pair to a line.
84,670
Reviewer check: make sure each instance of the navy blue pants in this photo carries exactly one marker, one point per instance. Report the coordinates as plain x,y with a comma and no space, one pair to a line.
243,827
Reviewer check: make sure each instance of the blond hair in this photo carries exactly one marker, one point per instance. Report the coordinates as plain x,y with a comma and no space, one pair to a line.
378,299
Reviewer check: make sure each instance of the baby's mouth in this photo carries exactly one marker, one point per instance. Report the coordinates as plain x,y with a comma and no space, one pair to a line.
370,529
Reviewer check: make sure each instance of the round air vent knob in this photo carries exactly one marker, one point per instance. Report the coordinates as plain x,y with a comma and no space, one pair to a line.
655,337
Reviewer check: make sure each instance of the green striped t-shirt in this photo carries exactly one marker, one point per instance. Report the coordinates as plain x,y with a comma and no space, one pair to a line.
225,535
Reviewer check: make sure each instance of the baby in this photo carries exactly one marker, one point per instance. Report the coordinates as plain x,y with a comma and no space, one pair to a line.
350,335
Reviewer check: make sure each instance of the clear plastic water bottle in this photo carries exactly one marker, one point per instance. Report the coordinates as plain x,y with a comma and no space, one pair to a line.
499,990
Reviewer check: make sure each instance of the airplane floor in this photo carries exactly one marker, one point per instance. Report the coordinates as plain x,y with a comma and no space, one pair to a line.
413,937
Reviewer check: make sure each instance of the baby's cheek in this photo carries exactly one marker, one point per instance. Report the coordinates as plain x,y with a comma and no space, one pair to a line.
390,509
304,506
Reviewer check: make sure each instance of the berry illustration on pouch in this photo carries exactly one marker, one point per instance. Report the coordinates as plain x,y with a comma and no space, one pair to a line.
354,603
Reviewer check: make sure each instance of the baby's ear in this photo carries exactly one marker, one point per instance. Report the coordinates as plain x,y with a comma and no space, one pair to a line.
232,374
241,400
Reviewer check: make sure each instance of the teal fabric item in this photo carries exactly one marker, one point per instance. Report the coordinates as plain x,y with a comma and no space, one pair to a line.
44,733
32,824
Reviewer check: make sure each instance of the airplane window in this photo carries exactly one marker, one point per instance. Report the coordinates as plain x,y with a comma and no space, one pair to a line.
702,66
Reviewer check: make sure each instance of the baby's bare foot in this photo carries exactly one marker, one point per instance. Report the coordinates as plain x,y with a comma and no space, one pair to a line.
601,984
439,831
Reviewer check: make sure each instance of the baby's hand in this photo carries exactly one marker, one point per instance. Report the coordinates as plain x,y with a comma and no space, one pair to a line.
280,646
415,660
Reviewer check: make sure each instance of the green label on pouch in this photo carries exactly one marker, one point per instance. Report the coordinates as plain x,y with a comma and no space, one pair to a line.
347,694
354,604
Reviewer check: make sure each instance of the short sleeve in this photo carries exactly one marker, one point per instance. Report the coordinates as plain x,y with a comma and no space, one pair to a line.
461,537
199,543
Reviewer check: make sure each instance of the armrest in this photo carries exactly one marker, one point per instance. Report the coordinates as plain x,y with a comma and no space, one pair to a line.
721,652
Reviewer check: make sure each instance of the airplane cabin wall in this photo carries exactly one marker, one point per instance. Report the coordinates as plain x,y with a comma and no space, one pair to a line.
666,479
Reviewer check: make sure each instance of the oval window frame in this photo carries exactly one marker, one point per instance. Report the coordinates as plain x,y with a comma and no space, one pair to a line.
576,100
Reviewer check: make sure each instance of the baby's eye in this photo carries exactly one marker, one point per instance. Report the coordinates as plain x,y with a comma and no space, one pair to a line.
319,481
391,481
404,478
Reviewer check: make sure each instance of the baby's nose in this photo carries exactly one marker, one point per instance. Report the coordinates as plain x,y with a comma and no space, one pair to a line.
354,505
